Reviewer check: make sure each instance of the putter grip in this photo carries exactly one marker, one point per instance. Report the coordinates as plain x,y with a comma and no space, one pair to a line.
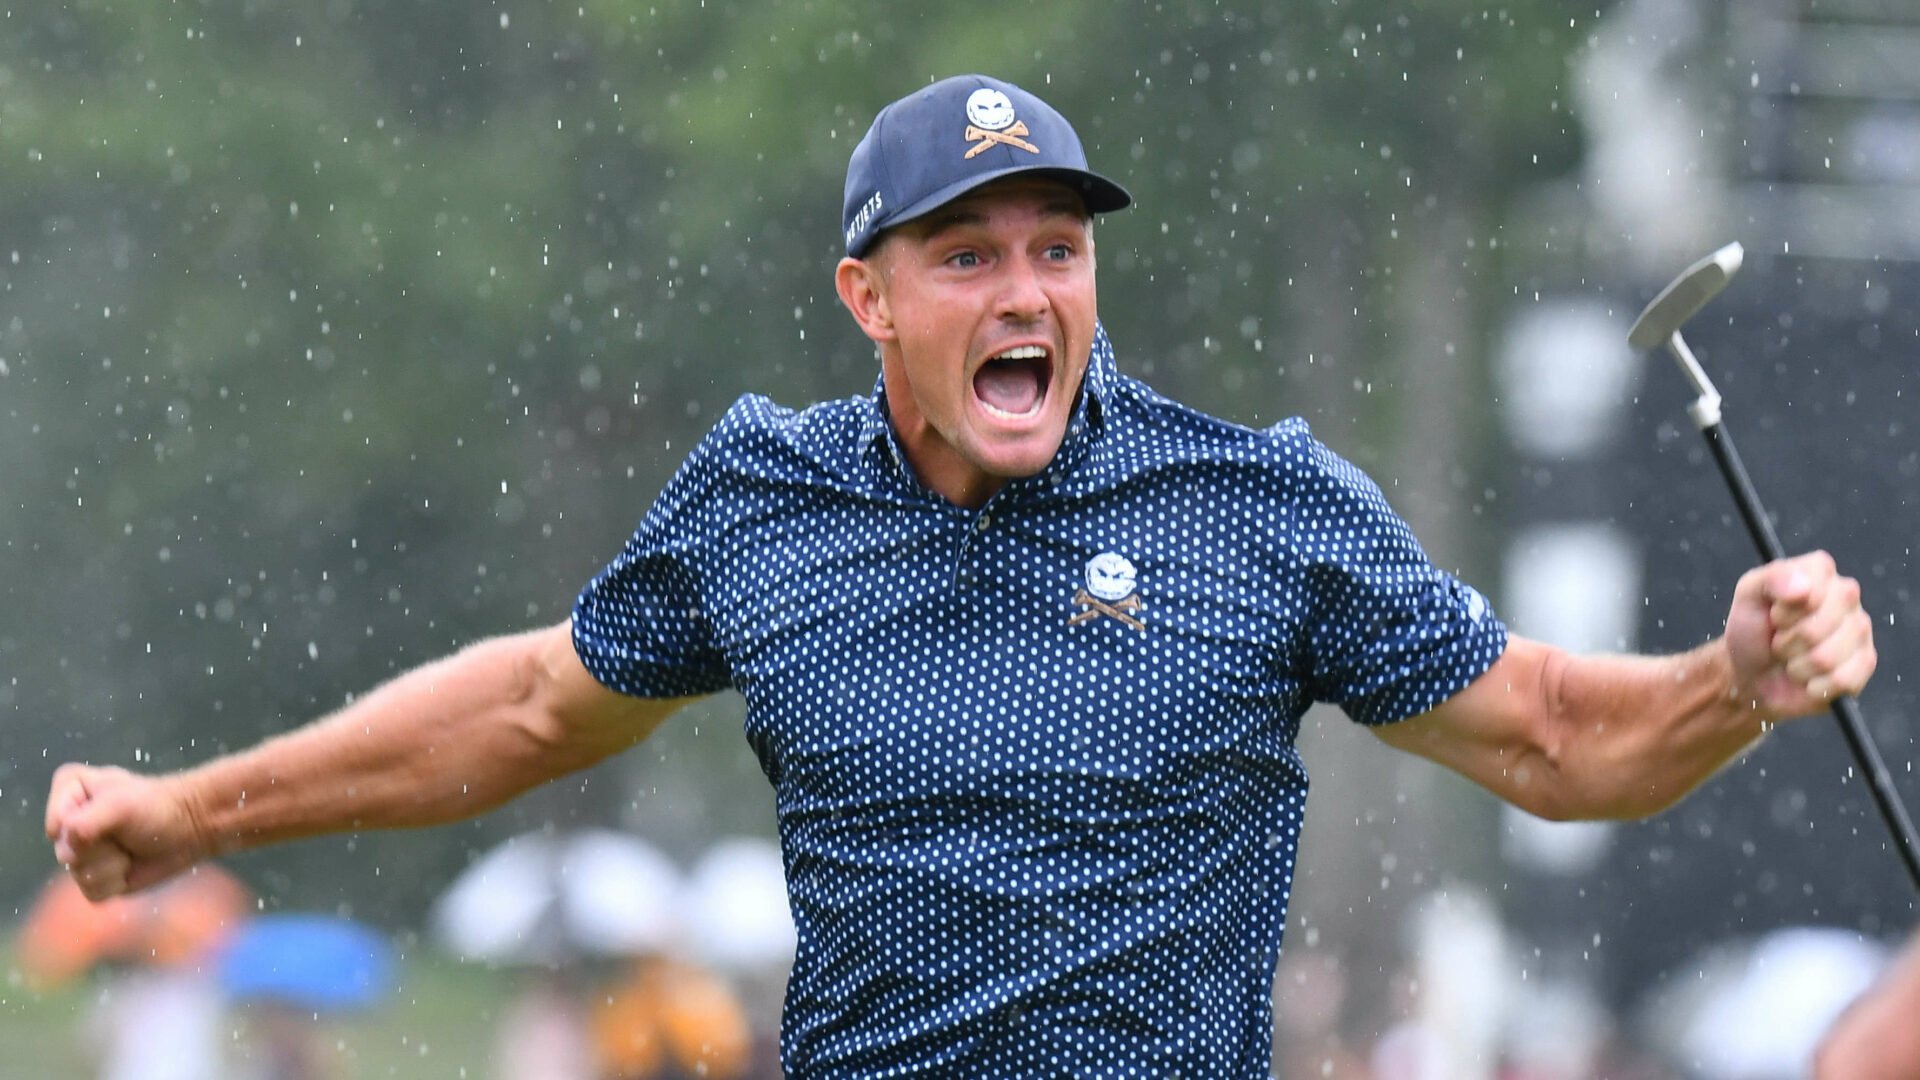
1845,709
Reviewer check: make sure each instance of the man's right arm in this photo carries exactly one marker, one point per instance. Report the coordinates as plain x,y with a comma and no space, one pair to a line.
442,742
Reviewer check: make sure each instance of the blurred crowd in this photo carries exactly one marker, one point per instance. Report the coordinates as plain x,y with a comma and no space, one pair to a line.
625,968
622,967
1468,999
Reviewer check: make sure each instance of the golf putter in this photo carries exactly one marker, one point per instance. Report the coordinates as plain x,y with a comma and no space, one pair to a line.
1659,325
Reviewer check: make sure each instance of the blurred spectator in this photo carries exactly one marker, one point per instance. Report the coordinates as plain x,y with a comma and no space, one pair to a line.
1878,1036
285,1042
1309,997
1408,1049
1455,990
669,1018
544,1034
159,1013
1756,1010
289,974
161,1023
1555,1029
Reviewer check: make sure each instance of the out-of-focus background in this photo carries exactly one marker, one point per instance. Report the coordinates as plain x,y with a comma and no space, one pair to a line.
334,336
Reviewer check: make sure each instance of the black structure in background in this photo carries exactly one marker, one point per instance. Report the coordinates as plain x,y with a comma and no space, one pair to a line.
1819,364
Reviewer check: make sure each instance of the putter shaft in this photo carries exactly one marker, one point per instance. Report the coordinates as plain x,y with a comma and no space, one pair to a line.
1845,709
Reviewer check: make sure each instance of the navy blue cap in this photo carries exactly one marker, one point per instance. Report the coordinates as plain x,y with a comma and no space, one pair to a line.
942,141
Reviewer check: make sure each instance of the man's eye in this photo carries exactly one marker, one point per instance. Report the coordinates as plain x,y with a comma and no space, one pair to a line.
965,259
1060,252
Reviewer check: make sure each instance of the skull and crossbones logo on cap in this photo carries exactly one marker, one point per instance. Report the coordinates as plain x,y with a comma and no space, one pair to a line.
991,113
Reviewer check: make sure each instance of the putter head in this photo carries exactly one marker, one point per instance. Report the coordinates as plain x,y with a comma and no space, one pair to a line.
1685,295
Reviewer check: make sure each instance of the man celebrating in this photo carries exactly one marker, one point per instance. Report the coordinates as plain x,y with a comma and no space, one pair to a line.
1024,647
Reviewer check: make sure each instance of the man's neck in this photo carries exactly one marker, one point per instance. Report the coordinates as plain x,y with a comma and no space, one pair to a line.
936,464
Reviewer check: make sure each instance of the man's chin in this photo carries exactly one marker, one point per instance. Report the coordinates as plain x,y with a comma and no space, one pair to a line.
1019,459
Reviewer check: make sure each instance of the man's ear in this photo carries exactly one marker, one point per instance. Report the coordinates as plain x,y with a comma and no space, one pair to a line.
863,288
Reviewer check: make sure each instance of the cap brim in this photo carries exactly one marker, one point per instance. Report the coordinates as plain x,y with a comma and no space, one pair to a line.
1101,195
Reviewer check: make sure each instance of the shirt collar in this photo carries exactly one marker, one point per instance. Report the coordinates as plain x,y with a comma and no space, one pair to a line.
1084,426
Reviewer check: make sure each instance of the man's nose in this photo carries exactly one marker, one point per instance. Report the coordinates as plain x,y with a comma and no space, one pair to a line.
1022,298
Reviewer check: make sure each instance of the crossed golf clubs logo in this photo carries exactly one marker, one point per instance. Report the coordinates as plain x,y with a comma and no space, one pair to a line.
1123,610
983,138
1109,592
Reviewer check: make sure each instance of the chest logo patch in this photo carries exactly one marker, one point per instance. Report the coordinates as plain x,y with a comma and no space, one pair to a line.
1109,591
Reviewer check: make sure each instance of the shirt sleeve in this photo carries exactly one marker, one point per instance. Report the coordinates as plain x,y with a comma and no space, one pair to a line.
640,625
1389,634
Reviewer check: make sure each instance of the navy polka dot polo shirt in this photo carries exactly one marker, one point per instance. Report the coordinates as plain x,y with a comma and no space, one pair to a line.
1033,763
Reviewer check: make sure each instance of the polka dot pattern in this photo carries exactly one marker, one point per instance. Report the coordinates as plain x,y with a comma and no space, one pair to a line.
1025,835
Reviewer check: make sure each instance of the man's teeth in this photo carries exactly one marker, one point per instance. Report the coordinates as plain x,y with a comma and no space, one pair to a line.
998,411
1022,352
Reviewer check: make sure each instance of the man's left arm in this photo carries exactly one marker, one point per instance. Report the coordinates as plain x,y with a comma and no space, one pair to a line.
1567,737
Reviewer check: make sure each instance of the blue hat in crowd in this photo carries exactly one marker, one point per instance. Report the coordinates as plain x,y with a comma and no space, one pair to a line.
942,141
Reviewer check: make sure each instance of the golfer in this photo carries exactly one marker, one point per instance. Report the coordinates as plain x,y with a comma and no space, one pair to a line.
1025,648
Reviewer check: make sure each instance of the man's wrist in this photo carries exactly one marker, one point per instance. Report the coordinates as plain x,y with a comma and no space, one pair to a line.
206,836
1736,701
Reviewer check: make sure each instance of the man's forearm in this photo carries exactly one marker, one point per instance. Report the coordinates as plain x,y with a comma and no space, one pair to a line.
1627,736
445,741
442,742
1635,733
1568,737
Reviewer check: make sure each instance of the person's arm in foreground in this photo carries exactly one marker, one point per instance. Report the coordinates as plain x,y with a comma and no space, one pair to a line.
1565,736
442,742
1878,1037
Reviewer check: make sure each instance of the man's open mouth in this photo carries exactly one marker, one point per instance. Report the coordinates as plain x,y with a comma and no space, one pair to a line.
1014,383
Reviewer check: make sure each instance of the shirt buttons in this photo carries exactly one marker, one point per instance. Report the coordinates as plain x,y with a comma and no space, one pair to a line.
980,524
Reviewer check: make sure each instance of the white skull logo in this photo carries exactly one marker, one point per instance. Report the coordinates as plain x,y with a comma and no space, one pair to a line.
989,109
1110,576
